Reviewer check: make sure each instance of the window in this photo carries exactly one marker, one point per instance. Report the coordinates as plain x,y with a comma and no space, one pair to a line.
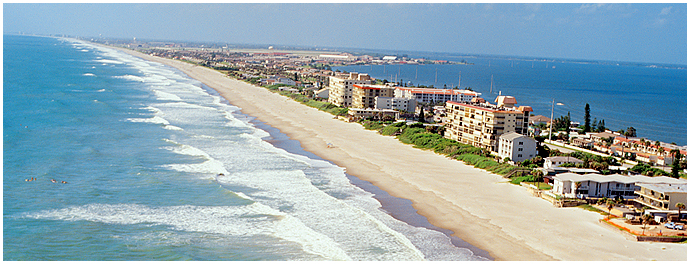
519,155
519,149
519,143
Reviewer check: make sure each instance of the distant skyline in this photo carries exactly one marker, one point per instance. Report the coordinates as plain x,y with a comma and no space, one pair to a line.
650,33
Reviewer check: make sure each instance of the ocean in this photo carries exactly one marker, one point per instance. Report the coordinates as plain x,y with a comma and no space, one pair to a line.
651,98
149,164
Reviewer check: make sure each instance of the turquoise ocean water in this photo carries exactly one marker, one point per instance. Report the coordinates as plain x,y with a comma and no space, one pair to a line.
141,146
651,98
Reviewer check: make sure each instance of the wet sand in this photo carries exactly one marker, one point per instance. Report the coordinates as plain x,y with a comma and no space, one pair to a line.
481,208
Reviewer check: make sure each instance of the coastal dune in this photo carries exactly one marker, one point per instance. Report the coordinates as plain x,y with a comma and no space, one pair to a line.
481,208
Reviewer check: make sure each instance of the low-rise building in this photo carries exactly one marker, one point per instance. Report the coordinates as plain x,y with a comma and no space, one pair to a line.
539,119
582,142
662,196
376,114
611,186
551,162
323,93
397,103
516,147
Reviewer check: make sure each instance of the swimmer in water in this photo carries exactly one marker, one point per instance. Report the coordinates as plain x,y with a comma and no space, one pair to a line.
63,182
53,180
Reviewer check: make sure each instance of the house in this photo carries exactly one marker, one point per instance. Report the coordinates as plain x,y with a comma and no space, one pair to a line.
539,119
516,147
551,162
582,142
611,186
323,93
602,136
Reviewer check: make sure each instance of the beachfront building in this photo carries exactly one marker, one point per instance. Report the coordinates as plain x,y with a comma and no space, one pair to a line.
516,147
396,103
376,114
364,95
610,186
340,87
480,124
433,96
662,196
551,162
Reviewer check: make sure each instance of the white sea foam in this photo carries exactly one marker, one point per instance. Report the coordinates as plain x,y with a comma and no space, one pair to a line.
106,61
245,221
336,228
130,77
244,196
155,120
209,166
88,74
358,233
176,128
166,96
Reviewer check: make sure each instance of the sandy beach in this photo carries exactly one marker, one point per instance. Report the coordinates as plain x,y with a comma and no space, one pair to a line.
481,208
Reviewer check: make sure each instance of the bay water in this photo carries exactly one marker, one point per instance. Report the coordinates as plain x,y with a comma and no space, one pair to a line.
149,164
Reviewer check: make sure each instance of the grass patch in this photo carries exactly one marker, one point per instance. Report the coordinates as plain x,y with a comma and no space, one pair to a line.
592,208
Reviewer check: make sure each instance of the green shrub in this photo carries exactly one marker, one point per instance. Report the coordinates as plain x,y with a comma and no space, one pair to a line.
390,130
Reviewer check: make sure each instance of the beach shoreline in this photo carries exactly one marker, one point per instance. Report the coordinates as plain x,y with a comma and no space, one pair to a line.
479,207
398,208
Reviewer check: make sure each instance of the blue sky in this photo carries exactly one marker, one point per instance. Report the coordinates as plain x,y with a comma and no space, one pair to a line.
654,33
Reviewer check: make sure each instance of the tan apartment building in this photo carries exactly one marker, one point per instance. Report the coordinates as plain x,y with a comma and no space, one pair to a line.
481,124
364,95
340,87
662,196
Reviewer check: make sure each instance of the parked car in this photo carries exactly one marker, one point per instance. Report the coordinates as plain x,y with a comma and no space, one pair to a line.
679,227
670,225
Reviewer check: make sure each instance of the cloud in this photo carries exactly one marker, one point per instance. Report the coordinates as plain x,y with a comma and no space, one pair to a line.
666,10
589,8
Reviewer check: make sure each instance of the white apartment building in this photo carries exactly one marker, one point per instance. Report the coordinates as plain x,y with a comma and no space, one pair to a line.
397,103
611,186
432,95
340,87
517,147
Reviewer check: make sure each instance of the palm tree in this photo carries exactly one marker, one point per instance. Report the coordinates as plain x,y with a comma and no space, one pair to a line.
646,219
680,206
609,205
